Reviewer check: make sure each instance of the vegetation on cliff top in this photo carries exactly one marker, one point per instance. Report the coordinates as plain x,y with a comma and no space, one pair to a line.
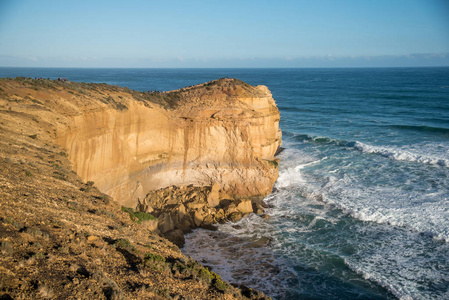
167,99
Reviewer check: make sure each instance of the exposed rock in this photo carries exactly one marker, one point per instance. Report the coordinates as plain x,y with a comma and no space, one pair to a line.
265,216
235,217
265,205
150,225
92,238
258,208
195,205
198,217
176,237
188,207
213,199
245,206
225,134
165,223
263,241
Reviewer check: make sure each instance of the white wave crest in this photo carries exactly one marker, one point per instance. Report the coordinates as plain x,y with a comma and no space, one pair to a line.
426,154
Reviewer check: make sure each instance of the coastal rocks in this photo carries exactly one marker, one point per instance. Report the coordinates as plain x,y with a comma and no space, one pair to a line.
258,208
235,216
245,206
213,199
181,209
265,216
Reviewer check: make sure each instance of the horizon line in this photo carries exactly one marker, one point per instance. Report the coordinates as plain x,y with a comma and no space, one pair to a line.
330,67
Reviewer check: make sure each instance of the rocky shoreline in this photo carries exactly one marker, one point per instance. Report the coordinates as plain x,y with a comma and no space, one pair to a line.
181,209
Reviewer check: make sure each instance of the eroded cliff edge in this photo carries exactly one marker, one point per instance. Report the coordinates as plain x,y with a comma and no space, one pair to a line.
224,132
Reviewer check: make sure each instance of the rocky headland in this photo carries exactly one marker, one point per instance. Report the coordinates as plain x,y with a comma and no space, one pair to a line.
92,174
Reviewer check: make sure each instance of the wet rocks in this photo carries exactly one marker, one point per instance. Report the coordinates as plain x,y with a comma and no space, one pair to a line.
180,209
235,217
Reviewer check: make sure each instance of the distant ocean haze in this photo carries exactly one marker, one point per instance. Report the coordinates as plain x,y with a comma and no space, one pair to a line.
361,205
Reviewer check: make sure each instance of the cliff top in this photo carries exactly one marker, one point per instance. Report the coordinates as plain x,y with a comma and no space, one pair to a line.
215,91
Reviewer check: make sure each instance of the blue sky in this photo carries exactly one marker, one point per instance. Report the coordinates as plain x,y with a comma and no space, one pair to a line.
319,33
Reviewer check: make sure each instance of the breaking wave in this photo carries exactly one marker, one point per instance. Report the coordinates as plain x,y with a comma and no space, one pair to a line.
426,154
434,154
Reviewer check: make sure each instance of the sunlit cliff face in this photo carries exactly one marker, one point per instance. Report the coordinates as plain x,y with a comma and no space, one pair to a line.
227,134
128,143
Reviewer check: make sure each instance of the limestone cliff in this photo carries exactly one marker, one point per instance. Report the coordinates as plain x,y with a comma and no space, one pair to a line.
128,143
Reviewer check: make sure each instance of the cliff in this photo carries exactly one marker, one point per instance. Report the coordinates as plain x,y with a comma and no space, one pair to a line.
224,132
61,237
129,143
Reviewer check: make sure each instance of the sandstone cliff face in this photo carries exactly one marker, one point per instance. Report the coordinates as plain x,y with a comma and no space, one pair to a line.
128,143
223,132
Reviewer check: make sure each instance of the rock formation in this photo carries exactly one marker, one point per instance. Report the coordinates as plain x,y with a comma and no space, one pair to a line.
225,132
181,209
218,138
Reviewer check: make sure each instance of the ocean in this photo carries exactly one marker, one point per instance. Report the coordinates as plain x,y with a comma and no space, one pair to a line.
361,206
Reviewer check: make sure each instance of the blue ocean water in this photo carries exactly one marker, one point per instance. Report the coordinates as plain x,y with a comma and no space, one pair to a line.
361,206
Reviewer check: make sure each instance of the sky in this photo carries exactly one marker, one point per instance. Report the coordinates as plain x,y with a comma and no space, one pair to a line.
216,34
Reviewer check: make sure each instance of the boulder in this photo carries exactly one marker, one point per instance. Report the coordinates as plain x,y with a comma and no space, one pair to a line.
176,237
235,217
165,223
198,217
195,205
258,209
213,198
151,225
245,206
224,196
185,224
208,220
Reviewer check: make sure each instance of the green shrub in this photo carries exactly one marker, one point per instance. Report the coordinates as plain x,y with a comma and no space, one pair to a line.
138,216
205,275
124,244
155,262
218,283
274,163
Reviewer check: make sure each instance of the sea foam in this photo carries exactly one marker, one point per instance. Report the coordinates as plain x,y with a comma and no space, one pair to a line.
423,153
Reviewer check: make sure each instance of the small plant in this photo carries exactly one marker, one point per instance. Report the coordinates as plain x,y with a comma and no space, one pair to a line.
155,262
274,163
6,248
60,176
150,257
138,216
205,275
124,244
39,255
218,283
28,173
